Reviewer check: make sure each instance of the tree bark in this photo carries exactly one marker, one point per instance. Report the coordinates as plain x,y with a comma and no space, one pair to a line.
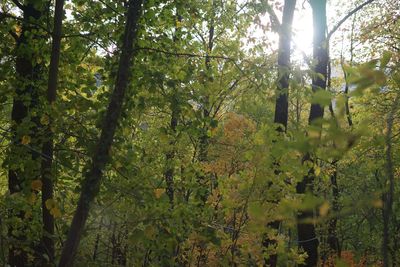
285,40
47,148
333,240
306,231
27,75
282,93
91,184
175,113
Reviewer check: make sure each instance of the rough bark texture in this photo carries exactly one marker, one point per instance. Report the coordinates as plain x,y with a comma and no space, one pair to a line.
282,93
91,184
47,149
25,100
306,231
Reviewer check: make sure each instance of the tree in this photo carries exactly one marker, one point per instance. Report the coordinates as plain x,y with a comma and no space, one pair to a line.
48,147
306,231
93,177
24,122
282,92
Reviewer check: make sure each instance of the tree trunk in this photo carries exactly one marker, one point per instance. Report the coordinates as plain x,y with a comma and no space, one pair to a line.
388,194
47,149
91,184
306,231
205,109
282,93
27,76
285,41
175,113
333,240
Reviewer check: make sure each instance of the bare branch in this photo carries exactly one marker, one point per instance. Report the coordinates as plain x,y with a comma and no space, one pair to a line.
352,12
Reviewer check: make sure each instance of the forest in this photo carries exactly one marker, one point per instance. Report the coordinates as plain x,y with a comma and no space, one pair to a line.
199,133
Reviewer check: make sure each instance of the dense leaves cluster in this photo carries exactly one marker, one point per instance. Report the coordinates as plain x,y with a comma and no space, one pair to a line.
189,137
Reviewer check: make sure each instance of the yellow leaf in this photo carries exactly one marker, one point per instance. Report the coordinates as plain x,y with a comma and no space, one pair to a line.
317,170
158,192
32,198
50,204
26,139
36,185
55,212
324,208
149,231
118,165
44,120
377,203
314,133
28,215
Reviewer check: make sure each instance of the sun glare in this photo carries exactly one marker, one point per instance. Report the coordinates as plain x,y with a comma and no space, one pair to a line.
302,33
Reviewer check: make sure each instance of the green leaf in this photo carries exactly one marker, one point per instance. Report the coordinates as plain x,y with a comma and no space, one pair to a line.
321,97
387,55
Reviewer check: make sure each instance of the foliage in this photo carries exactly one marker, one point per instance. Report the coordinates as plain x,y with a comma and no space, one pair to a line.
202,84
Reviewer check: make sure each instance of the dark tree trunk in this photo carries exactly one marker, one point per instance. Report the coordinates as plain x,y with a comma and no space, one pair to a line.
27,76
175,113
204,139
306,231
285,41
47,149
333,240
170,155
206,109
282,93
91,184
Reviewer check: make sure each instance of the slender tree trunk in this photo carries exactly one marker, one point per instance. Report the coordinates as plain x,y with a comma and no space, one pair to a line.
333,240
204,139
175,113
91,184
170,155
282,93
28,72
206,110
306,231
346,88
387,196
47,149
285,41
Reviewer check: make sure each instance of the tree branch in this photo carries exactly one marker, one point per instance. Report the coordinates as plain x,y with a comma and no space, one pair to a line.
18,4
4,15
352,12
276,25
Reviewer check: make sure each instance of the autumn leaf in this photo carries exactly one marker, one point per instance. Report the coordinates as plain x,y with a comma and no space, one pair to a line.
44,120
50,204
55,212
324,209
32,198
26,139
36,185
158,192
